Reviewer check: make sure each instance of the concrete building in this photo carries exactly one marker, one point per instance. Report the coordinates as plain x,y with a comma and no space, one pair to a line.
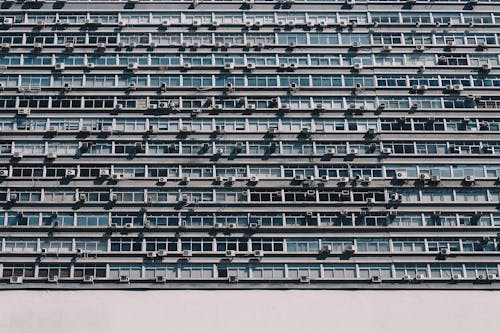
249,144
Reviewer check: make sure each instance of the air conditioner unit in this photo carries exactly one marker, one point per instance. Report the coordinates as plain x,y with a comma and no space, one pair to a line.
407,277
59,66
183,198
298,178
16,280
70,173
258,253
17,155
350,248
456,277
330,151
13,197
420,277
353,107
53,278
124,279
231,179
186,179
424,176
104,173
8,21
254,179
187,253
326,249
304,279
387,151
51,156
353,151
444,252
139,147
4,173
151,254
367,179
486,68
310,193
229,87
90,66
230,253
387,48
323,23
253,225
91,22
469,179
488,150
160,279
272,130
23,111
165,23
343,23
249,3
116,176
344,180
133,66
101,46
491,276
358,67
229,66
163,180
401,175
325,178
435,179
82,197
162,253
455,149
88,279
376,279
394,196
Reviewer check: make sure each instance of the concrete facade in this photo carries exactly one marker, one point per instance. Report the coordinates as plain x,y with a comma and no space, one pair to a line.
249,144
249,311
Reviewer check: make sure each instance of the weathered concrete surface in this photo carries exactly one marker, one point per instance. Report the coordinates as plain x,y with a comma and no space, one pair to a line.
248,311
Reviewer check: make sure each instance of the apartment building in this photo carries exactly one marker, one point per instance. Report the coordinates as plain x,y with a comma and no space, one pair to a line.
249,144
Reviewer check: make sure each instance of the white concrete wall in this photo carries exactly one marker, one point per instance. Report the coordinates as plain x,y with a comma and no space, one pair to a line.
249,311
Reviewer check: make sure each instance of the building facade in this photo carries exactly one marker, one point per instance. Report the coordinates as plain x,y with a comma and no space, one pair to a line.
249,144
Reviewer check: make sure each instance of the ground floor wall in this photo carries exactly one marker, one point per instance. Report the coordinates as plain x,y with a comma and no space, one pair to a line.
244,311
